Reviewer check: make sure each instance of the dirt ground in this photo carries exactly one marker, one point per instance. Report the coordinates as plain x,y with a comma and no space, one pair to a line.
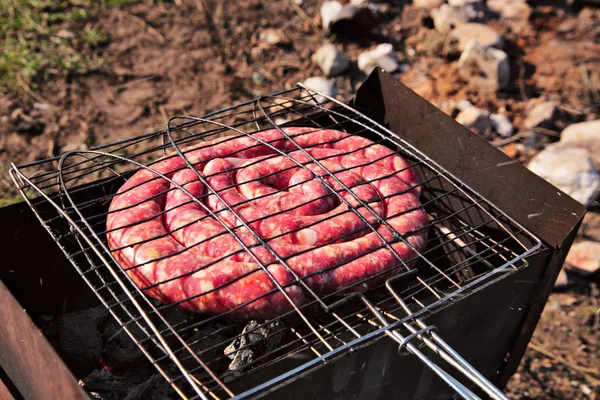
160,59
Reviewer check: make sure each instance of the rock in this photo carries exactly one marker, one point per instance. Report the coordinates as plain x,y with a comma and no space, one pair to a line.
562,280
590,227
447,17
272,36
463,3
569,169
584,258
329,12
475,119
258,78
429,4
502,125
483,34
542,115
463,105
321,85
510,9
381,56
475,4
352,22
585,135
331,61
433,43
484,67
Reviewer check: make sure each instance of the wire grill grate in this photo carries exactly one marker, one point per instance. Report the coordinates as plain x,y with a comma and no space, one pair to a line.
471,244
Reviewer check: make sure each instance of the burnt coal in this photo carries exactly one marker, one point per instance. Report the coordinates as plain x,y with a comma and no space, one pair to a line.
119,351
255,341
79,337
104,385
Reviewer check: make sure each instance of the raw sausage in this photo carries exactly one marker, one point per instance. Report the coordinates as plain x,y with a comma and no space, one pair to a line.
183,242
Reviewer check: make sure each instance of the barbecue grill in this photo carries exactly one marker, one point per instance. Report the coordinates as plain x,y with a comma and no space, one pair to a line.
474,245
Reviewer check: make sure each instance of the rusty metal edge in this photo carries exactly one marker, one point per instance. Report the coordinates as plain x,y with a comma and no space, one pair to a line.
28,359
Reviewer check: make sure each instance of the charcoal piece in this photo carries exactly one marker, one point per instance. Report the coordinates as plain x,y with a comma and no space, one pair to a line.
255,341
103,384
80,340
208,343
155,388
100,380
119,349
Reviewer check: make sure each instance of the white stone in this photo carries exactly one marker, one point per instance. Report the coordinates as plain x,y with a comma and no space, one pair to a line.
542,115
381,56
483,34
475,119
484,67
329,12
584,258
272,36
331,61
585,135
463,3
502,125
510,9
447,17
569,169
429,4
321,85
463,105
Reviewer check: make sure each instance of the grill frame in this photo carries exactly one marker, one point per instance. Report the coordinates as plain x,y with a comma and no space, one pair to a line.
413,317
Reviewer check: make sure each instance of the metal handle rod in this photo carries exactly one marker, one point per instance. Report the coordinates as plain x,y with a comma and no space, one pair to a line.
462,390
405,342
453,358
447,352
481,380
454,384
444,350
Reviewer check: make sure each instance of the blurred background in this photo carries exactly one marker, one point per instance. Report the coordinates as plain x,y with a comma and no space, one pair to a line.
523,74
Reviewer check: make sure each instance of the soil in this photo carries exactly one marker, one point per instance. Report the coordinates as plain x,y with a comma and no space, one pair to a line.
191,57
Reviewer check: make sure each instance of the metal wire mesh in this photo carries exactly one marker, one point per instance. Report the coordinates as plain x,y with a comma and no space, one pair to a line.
471,244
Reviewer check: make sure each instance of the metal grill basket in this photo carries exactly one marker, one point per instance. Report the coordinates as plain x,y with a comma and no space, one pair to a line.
471,245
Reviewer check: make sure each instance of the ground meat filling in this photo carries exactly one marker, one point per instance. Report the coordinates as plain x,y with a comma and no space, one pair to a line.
174,249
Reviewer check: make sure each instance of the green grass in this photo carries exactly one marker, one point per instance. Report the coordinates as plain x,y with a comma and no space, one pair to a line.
44,38
8,202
